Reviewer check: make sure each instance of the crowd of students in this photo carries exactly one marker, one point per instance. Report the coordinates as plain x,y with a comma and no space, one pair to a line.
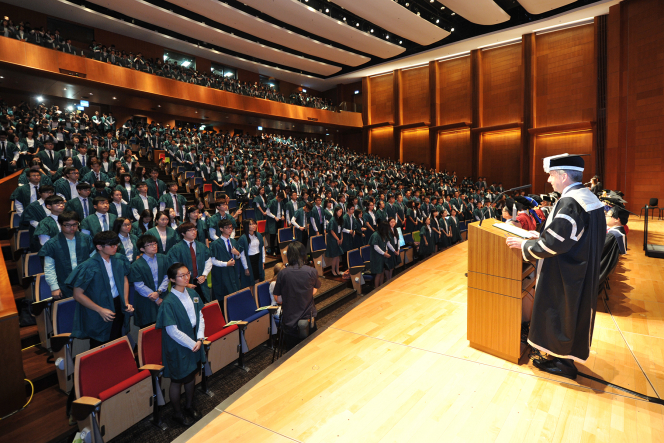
23,31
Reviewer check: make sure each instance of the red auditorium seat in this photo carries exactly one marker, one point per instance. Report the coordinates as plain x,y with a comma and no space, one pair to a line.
224,342
261,226
149,353
111,390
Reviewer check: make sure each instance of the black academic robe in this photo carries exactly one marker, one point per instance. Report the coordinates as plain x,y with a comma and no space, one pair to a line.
568,253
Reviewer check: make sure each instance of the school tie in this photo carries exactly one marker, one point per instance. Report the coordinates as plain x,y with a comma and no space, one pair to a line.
194,266
230,248
85,207
156,185
104,225
50,153
83,161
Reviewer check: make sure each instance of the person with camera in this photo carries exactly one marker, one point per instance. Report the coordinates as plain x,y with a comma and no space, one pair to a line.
295,289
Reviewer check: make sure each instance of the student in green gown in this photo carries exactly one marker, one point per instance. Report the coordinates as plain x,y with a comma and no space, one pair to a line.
183,251
334,240
276,212
143,224
453,222
379,253
194,217
253,254
63,253
26,194
393,247
142,201
125,186
48,227
445,231
127,246
435,229
349,229
427,245
166,236
148,274
101,288
224,252
100,220
180,316
299,222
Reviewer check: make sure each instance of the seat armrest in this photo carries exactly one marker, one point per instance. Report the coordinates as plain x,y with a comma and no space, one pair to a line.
39,306
242,325
152,368
60,341
272,309
84,406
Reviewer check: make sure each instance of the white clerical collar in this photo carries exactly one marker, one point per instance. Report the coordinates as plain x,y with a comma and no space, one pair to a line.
568,188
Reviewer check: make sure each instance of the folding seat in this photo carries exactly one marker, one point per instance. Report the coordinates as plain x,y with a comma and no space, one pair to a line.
149,353
286,237
223,345
65,348
463,229
365,252
42,310
263,299
130,326
20,242
407,252
318,247
241,306
217,195
232,204
207,188
29,265
14,220
249,213
261,226
112,394
356,267
12,206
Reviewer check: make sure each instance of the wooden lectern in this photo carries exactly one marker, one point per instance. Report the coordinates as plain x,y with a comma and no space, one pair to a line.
498,279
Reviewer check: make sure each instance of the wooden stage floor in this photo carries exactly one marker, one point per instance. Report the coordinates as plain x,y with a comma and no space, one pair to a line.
398,368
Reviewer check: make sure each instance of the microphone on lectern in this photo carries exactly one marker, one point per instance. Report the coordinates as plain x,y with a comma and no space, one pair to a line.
518,188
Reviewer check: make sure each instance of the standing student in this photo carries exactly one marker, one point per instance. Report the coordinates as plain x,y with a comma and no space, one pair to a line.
224,252
118,206
195,255
427,245
143,224
299,222
100,220
148,274
156,187
194,217
101,288
181,318
167,237
173,200
393,245
142,201
276,211
379,253
127,246
82,204
63,253
252,255
334,241
26,194
49,226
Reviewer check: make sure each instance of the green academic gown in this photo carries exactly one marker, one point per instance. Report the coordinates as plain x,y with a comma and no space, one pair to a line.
378,264
224,280
262,202
125,194
145,310
137,203
179,361
213,222
333,249
91,276
247,281
152,188
301,217
47,226
92,224
172,237
167,200
57,249
426,248
180,254
135,251
271,224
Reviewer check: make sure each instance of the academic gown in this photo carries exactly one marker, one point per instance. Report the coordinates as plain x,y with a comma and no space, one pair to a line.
271,224
172,238
180,253
167,199
569,251
453,223
135,250
301,217
247,281
92,224
258,201
395,257
378,262
76,205
47,226
57,249
333,249
152,188
426,248
179,361
123,190
92,277
126,210
225,280
349,238
137,203
145,310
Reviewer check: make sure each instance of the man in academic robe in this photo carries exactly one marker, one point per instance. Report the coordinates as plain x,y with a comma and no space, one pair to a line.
65,187
9,154
148,274
276,212
118,207
100,220
48,227
568,251
101,288
225,254
156,187
50,159
214,232
82,204
26,194
195,256
63,253
173,200
142,201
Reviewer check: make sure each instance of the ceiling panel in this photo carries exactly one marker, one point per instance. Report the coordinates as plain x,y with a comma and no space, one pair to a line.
396,19
482,12
304,17
541,6
229,16
161,17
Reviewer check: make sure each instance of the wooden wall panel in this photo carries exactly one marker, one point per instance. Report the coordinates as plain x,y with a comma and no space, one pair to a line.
499,157
415,146
381,106
381,142
454,153
415,95
454,91
547,145
565,77
501,85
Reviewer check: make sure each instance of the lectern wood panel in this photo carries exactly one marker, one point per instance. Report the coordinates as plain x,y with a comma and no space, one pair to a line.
488,253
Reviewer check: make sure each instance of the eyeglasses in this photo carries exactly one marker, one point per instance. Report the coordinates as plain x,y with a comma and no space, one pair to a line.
150,245
70,225
188,274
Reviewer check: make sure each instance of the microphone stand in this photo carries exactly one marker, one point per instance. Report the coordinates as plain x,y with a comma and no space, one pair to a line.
518,188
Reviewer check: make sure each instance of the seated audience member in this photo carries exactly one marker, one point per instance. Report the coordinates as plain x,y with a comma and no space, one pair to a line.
166,236
195,255
100,220
96,175
37,210
82,204
101,288
148,274
63,253
49,226
180,316
156,187
296,285
127,246
118,206
224,252
28,193
143,224
65,187
616,219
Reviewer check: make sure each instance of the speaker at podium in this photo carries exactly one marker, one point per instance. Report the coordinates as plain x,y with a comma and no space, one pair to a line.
498,281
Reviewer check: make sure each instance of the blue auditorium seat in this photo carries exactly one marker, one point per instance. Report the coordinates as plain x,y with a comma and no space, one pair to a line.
250,213
63,316
14,221
318,247
241,306
365,252
356,266
232,204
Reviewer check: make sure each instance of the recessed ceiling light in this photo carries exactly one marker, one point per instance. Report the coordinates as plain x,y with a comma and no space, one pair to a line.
437,21
452,30
344,18
357,24
2,76
454,13
114,98
400,41
159,106
387,37
91,93
65,89
327,10
372,31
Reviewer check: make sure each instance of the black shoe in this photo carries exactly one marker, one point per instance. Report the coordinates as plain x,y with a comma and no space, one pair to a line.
558,367
183,420
192,412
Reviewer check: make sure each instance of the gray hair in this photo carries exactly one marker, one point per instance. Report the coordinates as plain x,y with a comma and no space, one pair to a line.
575,176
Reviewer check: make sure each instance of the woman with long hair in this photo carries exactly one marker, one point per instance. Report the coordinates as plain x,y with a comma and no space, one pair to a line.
260,204
143,224
127,247
379,253
427,245
393,246
194,217
126,187
334,240
252,255
167,237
